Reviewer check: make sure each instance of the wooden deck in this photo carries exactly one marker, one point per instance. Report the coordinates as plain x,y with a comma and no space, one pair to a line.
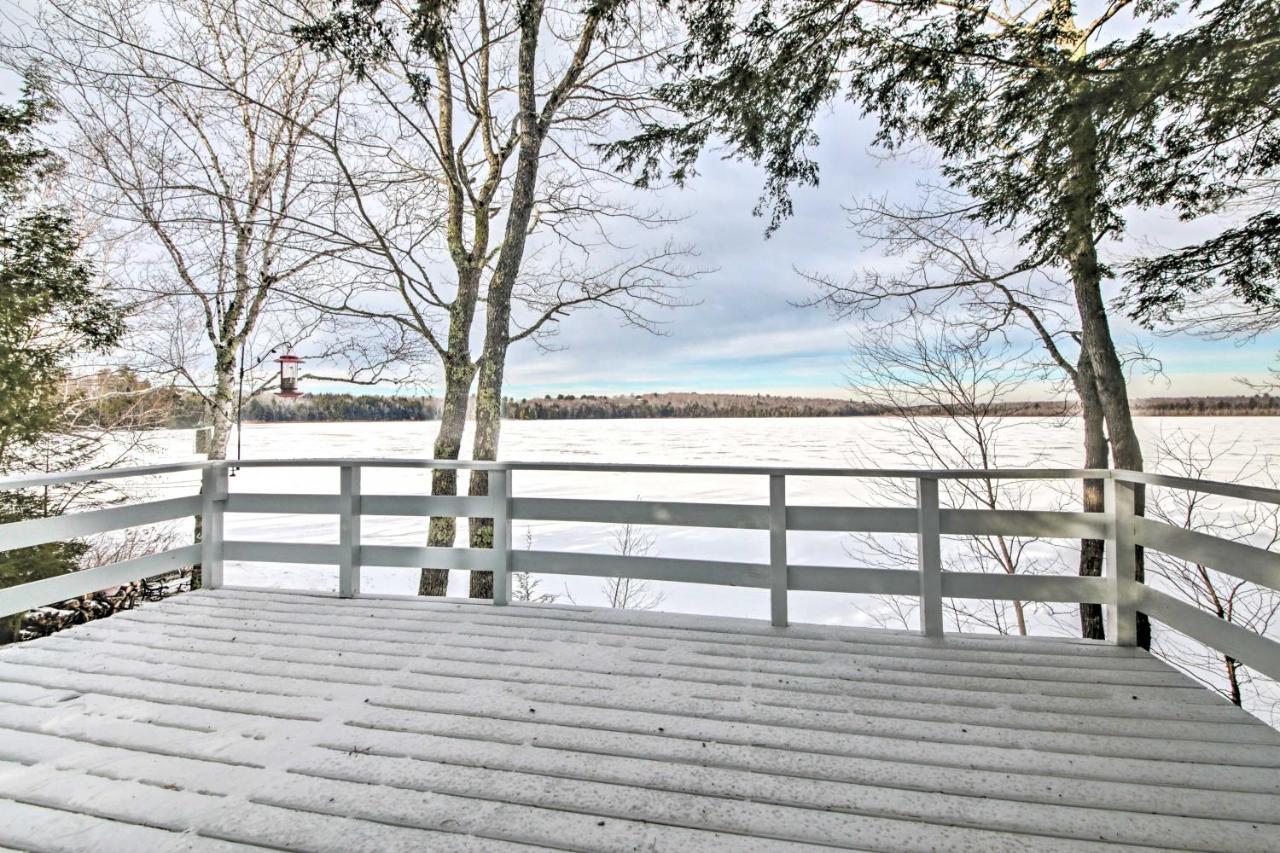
233,720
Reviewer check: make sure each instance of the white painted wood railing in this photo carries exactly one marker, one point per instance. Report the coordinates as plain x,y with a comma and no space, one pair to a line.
928,522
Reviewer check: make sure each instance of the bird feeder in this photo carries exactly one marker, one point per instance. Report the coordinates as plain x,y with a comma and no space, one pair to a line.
289,366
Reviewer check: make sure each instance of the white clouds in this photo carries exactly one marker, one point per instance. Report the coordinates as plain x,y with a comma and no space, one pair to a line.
746,335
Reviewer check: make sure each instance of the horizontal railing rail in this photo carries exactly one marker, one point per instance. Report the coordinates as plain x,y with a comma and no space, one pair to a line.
94,475
1244,491
927,521
39,531
571,467
28,596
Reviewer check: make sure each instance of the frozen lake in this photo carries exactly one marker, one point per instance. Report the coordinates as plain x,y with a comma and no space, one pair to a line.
1242,443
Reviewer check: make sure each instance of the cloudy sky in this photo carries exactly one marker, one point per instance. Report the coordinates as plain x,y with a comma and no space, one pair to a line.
745,335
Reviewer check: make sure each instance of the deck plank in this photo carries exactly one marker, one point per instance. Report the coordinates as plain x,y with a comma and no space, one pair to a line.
228,719
294,645
453,674
29,827
1067,681
740,634
679,625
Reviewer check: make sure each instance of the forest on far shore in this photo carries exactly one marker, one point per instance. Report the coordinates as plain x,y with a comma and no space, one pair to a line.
168,407
696,405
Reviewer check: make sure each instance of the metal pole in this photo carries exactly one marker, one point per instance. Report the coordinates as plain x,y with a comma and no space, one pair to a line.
240,406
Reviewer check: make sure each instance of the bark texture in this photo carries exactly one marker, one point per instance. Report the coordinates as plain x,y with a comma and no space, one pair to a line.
453,419
1081,197
534,126
1096,455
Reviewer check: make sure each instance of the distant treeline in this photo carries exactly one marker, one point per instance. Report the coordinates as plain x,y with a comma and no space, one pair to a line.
1242,404
121,399
340,407
1255,404
694,405
681,405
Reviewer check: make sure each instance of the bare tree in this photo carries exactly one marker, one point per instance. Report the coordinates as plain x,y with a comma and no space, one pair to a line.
468,164
954,269
467,157
524,586
632,593
1253,607
945,394
215,203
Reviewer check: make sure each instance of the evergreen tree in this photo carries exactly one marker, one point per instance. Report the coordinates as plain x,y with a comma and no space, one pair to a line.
1209,98
38,562
49,314
49,309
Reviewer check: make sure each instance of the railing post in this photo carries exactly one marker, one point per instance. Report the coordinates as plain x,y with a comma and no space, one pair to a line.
1122,616
929,551
500,496
349,532
213,490
778,549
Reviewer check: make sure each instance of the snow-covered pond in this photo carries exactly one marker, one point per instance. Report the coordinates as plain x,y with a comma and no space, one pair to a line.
1242,443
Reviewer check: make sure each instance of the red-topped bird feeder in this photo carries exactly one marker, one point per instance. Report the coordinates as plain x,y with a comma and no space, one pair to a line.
289,367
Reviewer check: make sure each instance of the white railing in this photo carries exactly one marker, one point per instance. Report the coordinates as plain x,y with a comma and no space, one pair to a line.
1122,597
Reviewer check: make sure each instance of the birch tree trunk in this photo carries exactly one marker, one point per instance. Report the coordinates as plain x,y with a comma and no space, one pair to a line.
223,404
218,407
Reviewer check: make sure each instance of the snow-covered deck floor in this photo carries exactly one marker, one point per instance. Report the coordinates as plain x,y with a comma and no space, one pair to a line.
228,720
